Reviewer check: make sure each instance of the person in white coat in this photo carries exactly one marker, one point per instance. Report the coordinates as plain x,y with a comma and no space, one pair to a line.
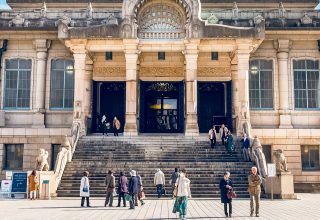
85,189
159,182
183,193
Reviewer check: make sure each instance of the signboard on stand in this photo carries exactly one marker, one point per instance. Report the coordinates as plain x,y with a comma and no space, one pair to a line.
272,172
19,182
6,186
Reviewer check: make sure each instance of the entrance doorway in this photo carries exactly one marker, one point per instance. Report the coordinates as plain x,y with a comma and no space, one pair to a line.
214,105
108,99
161,107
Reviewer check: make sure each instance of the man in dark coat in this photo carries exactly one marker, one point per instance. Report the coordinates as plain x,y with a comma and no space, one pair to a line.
110,185
122,189
133,189
173,180
245,148
225,186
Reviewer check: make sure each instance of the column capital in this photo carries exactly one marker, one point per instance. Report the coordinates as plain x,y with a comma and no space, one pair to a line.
41,45
282,46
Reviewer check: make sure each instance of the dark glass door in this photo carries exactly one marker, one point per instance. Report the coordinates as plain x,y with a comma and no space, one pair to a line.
161,107
109,100
213,105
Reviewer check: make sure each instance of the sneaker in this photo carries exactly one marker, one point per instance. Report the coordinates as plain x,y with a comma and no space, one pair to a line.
257,215
131,208
251,214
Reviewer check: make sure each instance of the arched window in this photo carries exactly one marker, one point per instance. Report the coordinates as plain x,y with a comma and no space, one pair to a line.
261,84
62,84
17,84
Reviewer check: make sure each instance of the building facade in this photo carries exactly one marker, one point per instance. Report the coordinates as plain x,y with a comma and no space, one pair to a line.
161,66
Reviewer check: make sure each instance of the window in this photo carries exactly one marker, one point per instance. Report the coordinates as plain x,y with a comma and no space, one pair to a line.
55,149
108,55
310,157
13,156
161,56
306,84
62,84
214,56
261,84
17,84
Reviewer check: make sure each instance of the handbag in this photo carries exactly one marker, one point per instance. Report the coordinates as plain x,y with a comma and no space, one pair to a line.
231,194
128,197
85,188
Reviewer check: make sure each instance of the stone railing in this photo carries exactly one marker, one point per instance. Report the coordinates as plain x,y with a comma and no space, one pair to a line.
66,152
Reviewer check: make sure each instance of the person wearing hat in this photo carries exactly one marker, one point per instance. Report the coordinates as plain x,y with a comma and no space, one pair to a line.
133,189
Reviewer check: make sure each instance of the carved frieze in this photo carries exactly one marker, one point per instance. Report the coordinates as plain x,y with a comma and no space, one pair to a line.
214,71
162,71
110,71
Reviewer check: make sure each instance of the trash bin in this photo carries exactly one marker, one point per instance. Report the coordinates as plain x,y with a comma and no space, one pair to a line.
45,190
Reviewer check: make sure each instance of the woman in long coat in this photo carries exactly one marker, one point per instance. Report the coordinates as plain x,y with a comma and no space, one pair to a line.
33,185
230,143
225,186
85,189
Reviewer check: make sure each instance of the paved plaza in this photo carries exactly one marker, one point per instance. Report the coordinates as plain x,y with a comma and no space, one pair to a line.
306,207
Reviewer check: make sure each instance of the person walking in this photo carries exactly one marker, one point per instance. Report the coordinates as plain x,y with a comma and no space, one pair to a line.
85,189
173,180
254,190
110,185
105,125
33,185
159,182
213,136
223,133
226,186
141,195
183,193
245,148
122,189
133,189
116,126
229,143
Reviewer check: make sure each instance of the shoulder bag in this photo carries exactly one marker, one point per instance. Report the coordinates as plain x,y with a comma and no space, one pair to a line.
85,188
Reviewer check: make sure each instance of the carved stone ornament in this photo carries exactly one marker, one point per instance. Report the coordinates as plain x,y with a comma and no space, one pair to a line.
280,160
214,71
258,19
65,20
306,19
18,20
212,19
116,71
162,71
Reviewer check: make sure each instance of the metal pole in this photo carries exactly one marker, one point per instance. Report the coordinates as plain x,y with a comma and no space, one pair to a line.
271,188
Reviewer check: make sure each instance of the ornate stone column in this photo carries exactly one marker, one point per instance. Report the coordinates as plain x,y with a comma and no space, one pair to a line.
235,96
41,46
191,56
283,47
131,55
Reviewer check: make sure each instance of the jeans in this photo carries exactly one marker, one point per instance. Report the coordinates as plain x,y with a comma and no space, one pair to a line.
82,201
246,155
254,198
226,208
121,195
109,199
213,142
159,190
134,201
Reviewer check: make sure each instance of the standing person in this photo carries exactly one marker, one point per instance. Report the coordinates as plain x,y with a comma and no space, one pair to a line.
33,185
85,189
122,189
173,180
223,133
116,126
159,182
229,143
254,190
141,195
133,189
213,136
245,148
110,185
105,125
225,186
183,193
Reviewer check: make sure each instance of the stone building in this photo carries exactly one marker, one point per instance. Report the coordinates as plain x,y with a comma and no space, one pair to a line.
161,66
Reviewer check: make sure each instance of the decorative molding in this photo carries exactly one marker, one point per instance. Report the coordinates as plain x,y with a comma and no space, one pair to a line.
111,71
214,71
162,71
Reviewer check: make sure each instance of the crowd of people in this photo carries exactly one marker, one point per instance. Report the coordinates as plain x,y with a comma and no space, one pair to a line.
132,191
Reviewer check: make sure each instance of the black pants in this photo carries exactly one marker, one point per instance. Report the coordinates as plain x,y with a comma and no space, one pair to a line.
226,208
121,195
159,190
116,132
82,201
213,142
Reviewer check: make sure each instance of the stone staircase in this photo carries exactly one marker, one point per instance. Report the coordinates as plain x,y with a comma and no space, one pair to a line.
145,154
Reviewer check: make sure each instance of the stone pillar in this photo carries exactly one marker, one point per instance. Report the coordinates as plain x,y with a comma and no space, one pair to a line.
131,55
87,110
242,59
283,48
235,96
191,56
41,46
